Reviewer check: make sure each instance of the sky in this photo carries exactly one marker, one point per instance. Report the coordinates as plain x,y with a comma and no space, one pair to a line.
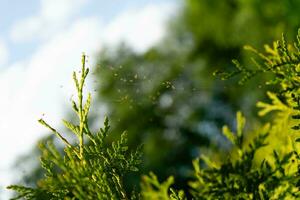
41,43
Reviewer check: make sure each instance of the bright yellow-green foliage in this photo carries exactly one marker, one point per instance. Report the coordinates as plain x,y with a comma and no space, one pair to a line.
152,189
267,167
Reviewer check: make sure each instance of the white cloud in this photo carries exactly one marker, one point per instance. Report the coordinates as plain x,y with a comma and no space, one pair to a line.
33,86
140,27
56,10
50,18
3,53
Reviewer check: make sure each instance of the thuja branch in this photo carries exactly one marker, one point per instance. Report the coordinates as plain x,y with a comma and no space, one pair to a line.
41,121
82,113
92,169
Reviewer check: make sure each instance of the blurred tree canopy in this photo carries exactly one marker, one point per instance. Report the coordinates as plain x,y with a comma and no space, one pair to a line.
167,98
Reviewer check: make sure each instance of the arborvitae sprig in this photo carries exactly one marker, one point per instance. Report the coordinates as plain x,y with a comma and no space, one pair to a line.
89,169
281,60
152,189
240,178
278,176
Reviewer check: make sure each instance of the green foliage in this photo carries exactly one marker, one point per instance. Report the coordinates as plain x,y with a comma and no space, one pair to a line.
88,169
239,177
169,92
237,138
281,60
259,169
277,175
153,189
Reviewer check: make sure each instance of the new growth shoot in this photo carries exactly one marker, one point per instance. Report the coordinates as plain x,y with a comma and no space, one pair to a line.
80,109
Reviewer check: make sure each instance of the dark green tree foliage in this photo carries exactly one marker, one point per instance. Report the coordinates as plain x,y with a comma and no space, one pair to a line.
89,169
169,89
